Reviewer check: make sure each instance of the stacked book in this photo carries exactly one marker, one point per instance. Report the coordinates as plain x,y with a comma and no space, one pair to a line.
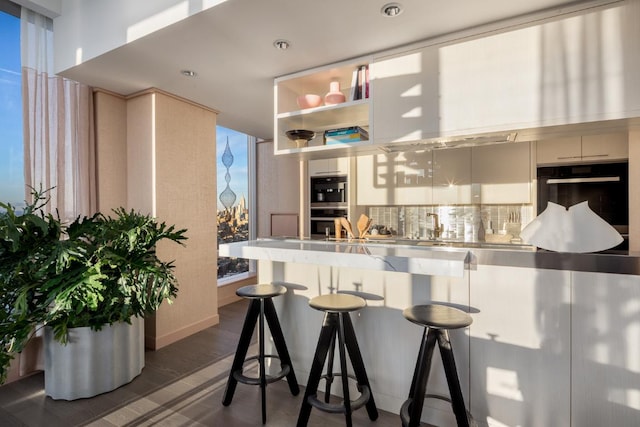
345,135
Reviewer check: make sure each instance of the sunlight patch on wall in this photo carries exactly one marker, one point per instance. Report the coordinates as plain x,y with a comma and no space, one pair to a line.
495,423
629,397
157,21
397,66
503,383
415,90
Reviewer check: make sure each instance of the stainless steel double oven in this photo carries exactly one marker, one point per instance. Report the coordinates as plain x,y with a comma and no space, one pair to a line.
328,200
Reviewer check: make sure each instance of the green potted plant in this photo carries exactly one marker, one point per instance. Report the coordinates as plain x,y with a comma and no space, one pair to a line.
92,274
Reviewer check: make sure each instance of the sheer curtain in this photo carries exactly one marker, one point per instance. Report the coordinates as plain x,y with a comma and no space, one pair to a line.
59,149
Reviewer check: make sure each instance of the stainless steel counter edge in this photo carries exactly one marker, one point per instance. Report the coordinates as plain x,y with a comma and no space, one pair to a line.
520,256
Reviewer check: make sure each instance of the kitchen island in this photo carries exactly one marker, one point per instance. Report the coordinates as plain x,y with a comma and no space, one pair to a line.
555,338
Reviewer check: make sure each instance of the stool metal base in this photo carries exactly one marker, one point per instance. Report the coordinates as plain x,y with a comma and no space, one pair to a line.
411,410
244,379
338,323
259,310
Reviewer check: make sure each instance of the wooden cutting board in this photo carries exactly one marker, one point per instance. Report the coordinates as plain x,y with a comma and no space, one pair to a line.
363,224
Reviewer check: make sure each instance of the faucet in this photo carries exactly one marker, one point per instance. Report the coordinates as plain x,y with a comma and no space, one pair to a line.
436,224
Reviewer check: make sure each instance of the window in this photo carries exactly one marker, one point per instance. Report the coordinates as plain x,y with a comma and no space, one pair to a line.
234,158
11,146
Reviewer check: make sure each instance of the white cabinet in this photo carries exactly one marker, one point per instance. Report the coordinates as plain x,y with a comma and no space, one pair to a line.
452,176
501,173
605,350
583,149
407,99
394,179
520,347
466,87
335,166
289,116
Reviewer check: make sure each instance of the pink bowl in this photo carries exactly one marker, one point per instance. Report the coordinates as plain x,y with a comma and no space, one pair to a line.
309,100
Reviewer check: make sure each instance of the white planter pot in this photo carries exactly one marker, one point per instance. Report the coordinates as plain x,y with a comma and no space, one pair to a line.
93,362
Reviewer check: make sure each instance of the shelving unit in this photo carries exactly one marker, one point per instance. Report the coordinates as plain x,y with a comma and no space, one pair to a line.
349,113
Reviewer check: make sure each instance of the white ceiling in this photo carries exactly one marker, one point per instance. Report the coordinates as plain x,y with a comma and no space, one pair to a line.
230,47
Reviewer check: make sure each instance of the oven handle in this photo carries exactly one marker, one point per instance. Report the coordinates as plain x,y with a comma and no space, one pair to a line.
583,180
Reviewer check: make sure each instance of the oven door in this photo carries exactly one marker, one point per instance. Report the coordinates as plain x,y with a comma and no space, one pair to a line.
604,186
322,221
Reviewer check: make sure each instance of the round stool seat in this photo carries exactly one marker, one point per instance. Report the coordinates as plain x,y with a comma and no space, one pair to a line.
364,295
261,291
337,303
437,316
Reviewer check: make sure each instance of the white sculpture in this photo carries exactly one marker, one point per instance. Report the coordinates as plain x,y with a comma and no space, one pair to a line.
577,229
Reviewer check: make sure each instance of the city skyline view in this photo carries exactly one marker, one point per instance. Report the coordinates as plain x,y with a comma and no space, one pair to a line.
11,148
239,170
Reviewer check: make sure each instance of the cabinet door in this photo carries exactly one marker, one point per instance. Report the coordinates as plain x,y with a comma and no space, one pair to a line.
605,350
452,176
502,173
414,184
337,166
406,102
559,150
610,146
376,180
520,352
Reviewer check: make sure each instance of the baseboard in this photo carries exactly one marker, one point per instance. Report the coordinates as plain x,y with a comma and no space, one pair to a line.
159,342
227,292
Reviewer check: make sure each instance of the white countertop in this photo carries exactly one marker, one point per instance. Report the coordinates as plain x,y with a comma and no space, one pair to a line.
440,261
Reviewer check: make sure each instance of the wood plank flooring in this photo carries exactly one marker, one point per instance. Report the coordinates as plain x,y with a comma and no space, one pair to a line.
181,385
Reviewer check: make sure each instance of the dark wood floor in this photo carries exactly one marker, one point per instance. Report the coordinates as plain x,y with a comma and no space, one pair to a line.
181,385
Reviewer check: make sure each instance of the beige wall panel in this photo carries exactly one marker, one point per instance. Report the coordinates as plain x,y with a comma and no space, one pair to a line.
140,154
634,196
111,150
278,178
185,184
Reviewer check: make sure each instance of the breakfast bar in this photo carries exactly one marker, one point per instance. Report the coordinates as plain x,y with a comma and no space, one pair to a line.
554,338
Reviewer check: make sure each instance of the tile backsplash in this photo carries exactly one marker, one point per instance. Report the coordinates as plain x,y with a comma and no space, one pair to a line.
459,222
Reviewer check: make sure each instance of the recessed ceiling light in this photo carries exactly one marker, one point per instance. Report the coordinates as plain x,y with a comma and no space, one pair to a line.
281,44
391,9
188,73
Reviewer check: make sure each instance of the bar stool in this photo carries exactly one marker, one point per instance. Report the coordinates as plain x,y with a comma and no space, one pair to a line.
260,307
329,376
337,322
437,320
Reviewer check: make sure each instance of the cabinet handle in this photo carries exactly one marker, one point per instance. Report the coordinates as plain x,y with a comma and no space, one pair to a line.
325,172
597,155
568,157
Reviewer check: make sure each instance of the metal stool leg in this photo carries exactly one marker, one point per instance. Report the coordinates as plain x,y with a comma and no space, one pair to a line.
457,400
329,326
263,375
280,344
358,364
241,352
329,375
343,369
421,377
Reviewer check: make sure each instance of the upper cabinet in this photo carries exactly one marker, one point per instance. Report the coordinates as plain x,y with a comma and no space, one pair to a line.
348,106
326,167
501,173
490,174
515,78
394,179
583,149
407,99
452,176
